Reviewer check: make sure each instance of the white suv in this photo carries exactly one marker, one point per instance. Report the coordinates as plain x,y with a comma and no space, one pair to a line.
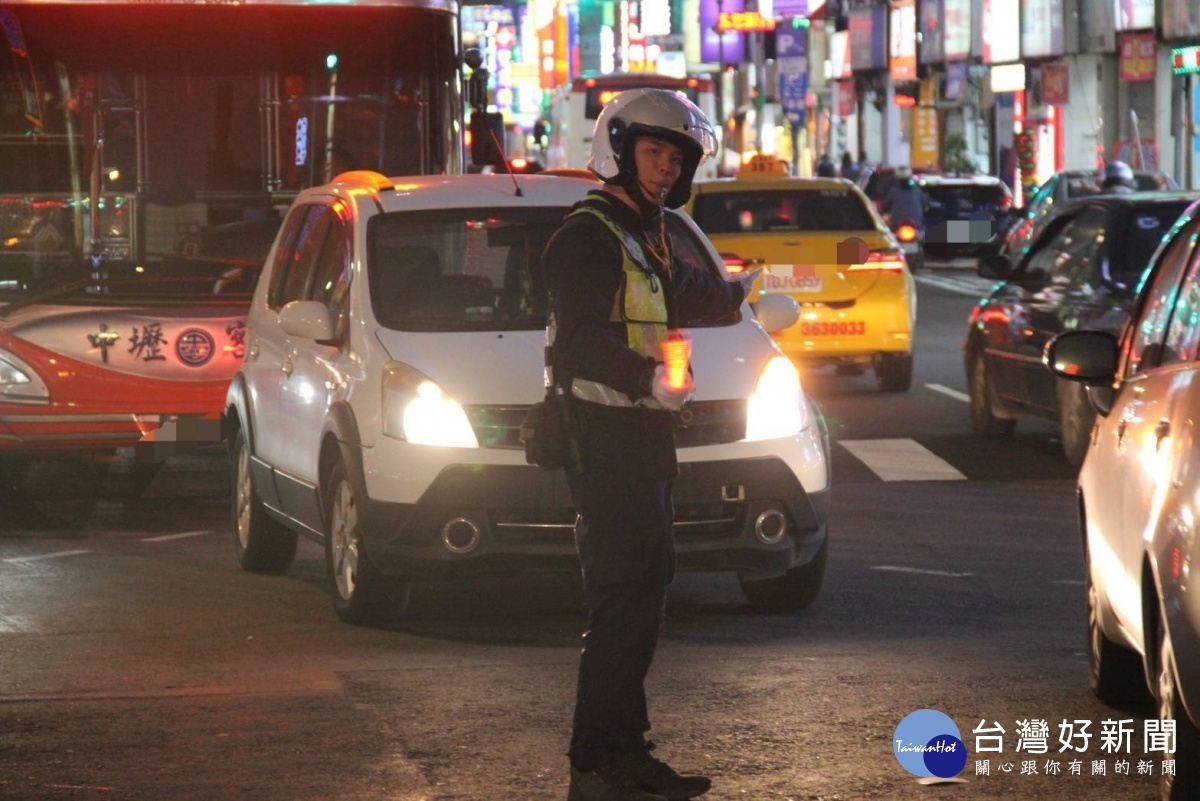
395,342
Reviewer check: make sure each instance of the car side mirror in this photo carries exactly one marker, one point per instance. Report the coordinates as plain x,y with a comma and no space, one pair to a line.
994,265
309,319
776,312
1089,357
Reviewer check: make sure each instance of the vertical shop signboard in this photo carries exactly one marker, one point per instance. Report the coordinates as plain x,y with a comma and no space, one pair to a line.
791,54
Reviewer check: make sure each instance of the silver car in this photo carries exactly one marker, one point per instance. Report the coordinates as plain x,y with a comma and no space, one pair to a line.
1139,496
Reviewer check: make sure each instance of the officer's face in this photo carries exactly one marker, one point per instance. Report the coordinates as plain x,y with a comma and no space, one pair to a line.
659,164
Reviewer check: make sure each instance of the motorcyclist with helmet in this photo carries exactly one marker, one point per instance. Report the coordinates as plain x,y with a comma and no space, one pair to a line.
616,291
1118,179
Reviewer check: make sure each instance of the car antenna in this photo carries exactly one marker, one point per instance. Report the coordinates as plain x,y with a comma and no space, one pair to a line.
507,166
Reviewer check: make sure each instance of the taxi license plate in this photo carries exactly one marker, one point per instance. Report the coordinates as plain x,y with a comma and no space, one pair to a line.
833,328
789,280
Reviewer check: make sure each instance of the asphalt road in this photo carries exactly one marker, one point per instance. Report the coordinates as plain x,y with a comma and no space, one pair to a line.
138,662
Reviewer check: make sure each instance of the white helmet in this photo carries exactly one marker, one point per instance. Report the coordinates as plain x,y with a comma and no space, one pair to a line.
662,113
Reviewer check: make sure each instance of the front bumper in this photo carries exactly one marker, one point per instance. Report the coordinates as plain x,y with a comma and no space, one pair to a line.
33,431
525,520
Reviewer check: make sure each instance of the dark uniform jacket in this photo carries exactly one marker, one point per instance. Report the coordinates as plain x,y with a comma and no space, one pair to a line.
583,263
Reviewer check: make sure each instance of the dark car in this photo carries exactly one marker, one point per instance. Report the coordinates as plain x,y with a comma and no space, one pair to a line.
1064,186
964,216
1081,272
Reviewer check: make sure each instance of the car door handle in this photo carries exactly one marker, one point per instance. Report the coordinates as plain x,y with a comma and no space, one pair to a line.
288,367
1161,432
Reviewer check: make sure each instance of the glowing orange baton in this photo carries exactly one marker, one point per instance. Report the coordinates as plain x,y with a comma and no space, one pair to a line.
676,351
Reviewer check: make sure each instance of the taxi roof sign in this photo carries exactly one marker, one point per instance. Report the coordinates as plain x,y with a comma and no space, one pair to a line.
762,164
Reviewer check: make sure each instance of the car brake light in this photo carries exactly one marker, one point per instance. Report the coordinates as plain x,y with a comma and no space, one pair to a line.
1005,202
906,233
885,261
734,264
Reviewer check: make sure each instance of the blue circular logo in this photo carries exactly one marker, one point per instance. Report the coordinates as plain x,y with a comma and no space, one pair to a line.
927,743
195,347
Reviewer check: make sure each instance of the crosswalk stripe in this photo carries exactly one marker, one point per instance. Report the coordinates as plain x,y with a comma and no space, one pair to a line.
971,286
953,393
901,460
179,536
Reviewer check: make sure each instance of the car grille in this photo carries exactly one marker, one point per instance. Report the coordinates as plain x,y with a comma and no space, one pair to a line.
716,521
701,423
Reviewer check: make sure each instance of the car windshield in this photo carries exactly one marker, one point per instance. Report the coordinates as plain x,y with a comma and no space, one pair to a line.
1144,231
1089,183
808,210
964,198
474,270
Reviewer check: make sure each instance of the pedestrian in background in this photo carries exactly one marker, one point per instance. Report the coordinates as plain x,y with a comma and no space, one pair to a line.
825,167
849,167
616,291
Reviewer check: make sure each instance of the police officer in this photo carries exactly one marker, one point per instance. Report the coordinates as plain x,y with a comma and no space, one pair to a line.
616,291
1118,179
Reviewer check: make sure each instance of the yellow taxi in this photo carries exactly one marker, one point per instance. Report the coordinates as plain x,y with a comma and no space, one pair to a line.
820,241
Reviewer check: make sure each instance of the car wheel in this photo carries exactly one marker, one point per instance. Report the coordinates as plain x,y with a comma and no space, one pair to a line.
1076,418
794,590
983,418
894,371
263,544
1185,784
361,594
1115,673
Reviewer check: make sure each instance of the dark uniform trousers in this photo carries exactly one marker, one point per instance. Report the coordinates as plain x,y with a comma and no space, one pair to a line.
623,535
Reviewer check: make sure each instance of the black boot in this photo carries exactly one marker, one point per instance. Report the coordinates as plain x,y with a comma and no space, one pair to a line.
612,782
652,774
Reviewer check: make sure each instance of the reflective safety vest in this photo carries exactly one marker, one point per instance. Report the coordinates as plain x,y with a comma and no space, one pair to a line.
641,308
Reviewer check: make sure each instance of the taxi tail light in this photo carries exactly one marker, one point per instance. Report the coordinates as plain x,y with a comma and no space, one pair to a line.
884,261
906,233
734,264
1005,202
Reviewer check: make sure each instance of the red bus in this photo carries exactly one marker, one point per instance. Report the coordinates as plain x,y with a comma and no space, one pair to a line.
147,152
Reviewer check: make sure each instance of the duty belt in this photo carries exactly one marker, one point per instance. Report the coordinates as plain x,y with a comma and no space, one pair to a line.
595,392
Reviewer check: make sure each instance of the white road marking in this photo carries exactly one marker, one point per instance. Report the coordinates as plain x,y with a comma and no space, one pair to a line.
898,569
40,557
953,393
180,536
901,460
971,286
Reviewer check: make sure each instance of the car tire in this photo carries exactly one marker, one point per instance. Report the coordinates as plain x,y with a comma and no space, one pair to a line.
263,544
1115,673
983,416
1185,784
917,263
1076,416
361,594
894,372
794,590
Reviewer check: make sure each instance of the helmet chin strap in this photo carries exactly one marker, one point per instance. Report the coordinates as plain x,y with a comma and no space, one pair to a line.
639,190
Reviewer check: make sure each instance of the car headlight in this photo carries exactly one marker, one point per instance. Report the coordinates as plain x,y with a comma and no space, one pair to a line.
417,410
778,407
19,381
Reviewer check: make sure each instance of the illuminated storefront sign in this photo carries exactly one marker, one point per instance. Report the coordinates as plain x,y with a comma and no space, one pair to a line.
1000,19
1132,15
1185,60
729,47
743,22
1041,28
868,38
1008,78
902,40
957,23
930,16
1138,53
1180,18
